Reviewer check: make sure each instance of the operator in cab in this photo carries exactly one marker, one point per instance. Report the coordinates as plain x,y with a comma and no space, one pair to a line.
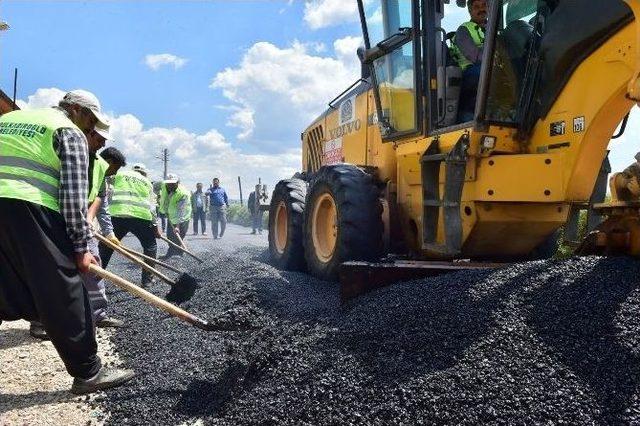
467,48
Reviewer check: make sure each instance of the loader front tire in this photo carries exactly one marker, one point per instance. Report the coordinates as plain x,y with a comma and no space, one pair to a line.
343,220
286,218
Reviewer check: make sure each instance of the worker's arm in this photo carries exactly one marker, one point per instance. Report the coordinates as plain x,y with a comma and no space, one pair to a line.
226,199
92,212
104,218
153,207
71,147
181,206
467,46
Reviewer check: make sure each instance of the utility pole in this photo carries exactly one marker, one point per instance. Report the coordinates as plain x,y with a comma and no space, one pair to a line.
165,162
240,186
15,87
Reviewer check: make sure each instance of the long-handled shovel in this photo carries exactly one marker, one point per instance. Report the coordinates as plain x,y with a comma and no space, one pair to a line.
182,289
162,304
182,249
153,260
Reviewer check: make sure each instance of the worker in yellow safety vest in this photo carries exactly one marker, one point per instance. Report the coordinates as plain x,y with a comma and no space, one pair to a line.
95,286
98,169
44,188
176,199
132,209
467,49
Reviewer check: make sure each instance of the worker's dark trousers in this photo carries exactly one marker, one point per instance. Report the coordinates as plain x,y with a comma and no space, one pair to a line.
469,93
183,227
39,281
199,215
143,231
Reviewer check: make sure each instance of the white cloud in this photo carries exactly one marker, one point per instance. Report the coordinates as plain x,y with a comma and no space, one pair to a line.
156,61
325,13
42,98
195,157
277,92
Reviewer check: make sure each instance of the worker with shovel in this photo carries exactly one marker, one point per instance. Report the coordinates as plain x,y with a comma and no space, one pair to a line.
44,185
132,211
95,286
178,205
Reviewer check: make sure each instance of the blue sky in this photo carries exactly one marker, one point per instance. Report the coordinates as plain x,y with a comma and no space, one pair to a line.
240,80
102,45
275,64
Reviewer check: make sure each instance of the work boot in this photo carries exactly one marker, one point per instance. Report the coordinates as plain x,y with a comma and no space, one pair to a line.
105,379
260,231
204,233
253,232
147,282
109,322
37,330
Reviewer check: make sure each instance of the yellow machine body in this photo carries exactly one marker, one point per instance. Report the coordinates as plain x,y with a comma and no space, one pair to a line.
516,192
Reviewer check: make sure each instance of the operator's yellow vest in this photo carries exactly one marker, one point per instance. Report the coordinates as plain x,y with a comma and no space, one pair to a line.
97,179
181,193
131,194
477,34
29,165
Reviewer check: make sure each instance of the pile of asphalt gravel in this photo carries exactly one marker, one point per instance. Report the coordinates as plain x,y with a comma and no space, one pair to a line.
554,341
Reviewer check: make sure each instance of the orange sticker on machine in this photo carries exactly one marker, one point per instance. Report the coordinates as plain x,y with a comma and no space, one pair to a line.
333,152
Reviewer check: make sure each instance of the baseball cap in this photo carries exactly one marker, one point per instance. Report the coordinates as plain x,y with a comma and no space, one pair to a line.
172,178
139,167
88,100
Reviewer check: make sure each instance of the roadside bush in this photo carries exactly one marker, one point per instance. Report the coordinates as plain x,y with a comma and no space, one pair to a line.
240,215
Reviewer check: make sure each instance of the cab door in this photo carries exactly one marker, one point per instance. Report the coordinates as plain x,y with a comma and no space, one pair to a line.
391,30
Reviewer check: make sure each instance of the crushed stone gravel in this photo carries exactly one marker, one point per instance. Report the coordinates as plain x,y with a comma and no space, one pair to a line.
34,385
539,342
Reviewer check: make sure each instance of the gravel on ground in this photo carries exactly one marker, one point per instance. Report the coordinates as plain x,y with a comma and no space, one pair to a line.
539,342
34,385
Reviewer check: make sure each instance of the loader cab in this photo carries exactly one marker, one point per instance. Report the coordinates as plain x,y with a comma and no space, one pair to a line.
416,81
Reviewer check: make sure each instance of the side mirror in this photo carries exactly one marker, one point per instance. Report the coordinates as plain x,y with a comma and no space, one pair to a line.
365,71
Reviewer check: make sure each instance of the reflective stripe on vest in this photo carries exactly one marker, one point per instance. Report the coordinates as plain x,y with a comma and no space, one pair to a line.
181,193
477,35
97,177
130,197
29,165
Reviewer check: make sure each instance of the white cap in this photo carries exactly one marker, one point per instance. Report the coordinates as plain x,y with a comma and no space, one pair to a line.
140,167
88,100
103,131
172,178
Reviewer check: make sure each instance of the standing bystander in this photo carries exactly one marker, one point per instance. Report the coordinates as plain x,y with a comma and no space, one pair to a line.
200,207
219,202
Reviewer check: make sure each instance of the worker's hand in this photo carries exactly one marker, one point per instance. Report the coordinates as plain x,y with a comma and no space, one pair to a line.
113,239
83,260
157,233
176,230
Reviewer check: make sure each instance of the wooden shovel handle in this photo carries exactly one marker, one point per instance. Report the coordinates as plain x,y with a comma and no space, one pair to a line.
168,241
134,259
153,260
184,246
150,298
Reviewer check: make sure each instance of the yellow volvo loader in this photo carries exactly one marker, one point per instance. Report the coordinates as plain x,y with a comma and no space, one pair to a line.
388,169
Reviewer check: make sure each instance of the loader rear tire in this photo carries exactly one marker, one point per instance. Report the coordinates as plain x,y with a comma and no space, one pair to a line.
343,220
286,218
